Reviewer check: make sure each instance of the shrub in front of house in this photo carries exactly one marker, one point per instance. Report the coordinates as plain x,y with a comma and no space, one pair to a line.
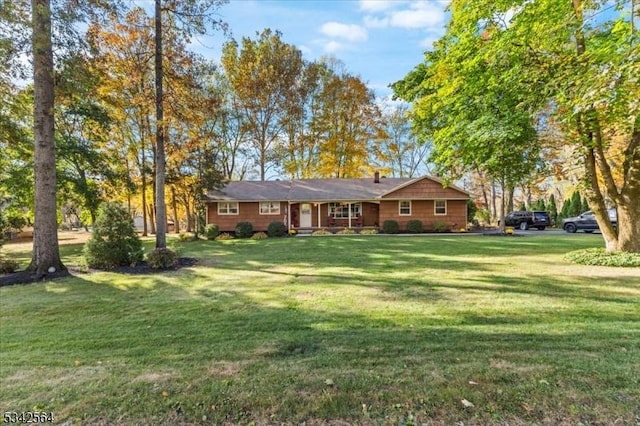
415,227
113,241
277,229
259,236
321,232
244,230
439,226
390,227
368,231
184,237
211,231
162,258
346,231
224,236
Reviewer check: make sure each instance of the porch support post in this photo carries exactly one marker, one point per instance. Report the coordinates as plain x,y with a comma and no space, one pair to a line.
349,215
319,208
289,215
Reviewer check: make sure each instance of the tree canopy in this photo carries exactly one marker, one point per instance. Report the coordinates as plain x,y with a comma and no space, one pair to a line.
505,71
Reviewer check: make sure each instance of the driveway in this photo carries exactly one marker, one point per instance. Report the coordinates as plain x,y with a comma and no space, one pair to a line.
555,232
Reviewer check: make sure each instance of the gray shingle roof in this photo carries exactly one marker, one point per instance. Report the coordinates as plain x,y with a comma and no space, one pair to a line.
308,190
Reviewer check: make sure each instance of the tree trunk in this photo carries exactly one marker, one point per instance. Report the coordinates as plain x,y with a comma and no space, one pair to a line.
510,200
629,200
494,209
502,206
152,218
145,227
46,253
627,235
161,209
187,207
174,203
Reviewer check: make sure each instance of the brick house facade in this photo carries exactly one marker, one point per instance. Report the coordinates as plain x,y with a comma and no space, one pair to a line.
338,203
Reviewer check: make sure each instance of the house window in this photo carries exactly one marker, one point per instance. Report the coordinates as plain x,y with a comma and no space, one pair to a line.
404,208
269,207
228,208
341,210
440,207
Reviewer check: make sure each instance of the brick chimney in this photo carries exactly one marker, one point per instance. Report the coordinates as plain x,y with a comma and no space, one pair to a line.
376,177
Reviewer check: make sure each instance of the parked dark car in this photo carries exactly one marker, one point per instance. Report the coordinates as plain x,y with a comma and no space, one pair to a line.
525,220
587,222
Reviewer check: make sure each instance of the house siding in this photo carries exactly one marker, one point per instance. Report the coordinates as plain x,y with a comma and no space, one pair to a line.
248,212
425,188
424,210
380,207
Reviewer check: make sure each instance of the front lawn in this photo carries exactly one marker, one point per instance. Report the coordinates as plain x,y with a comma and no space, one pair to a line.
337,330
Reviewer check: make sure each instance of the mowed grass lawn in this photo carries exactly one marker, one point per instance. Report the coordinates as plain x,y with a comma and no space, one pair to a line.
332,330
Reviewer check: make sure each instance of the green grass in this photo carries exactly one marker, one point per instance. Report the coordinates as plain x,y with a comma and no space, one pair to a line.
358,330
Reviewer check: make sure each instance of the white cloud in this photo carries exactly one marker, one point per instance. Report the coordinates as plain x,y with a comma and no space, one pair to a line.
427,43
373,22
352,33
377,5
305,49
332,47
420,15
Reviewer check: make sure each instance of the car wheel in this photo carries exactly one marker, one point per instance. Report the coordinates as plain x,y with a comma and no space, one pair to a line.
524,226
570,227
541,228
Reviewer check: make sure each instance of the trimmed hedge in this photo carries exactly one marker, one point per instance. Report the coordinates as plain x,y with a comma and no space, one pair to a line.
277,229
244,230
390,227
415,227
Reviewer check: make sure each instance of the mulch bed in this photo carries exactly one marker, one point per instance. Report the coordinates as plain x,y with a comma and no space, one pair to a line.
142,268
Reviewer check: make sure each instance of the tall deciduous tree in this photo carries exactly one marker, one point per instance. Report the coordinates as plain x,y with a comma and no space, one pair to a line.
123,51
349,126
264,74
404,155
473,121
577,62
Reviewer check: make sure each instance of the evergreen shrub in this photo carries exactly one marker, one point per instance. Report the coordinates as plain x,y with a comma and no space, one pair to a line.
415,227
277,229
211,231
113,240
244,230
390,227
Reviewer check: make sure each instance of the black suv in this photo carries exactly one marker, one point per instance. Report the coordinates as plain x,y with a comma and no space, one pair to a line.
525,220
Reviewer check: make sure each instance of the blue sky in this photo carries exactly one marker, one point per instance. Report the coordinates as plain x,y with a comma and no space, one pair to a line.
379,40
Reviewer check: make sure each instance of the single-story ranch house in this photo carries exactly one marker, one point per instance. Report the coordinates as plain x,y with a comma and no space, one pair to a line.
330,203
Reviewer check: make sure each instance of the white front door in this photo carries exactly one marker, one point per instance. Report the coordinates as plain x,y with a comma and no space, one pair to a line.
305,215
